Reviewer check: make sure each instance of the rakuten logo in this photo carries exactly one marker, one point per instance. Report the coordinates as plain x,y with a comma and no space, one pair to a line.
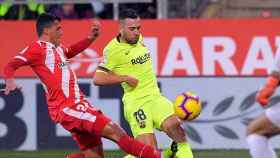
218,55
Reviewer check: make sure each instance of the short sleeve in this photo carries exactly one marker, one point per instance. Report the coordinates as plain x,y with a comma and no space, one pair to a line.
30,55
109,60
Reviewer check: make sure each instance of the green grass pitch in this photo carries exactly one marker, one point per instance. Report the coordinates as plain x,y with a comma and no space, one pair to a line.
118,154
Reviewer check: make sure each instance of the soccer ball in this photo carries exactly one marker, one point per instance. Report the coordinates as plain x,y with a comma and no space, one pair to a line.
187,106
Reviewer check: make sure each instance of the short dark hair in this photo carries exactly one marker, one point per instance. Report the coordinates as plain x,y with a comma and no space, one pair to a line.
128,13
45,20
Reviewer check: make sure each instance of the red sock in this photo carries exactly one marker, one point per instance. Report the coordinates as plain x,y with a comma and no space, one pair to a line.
75,156
137,148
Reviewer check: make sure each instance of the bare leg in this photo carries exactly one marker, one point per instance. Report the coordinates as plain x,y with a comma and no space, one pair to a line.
148,138
258,133
172,127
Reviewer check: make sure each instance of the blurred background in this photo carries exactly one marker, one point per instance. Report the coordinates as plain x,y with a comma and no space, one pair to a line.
148,9
222,50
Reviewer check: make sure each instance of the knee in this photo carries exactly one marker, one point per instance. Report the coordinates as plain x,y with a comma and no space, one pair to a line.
250,129
255,128
171,122
113,131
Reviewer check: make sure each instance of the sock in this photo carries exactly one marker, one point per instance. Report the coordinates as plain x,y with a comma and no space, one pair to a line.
171,151
184,150
167,153
259,147
136,148
75,156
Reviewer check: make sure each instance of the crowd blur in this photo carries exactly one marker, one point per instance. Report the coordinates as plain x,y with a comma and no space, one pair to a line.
147,9
98,9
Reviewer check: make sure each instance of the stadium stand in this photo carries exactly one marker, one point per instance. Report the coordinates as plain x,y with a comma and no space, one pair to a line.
182,8
241,8
74,9
149,9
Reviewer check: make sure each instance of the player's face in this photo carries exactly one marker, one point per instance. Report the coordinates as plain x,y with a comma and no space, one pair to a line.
55,32
131,30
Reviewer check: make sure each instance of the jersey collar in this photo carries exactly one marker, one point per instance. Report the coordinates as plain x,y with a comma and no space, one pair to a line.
47,43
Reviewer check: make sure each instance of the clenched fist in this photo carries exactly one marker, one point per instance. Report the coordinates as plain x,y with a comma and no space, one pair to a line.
95,30
264,95
267,91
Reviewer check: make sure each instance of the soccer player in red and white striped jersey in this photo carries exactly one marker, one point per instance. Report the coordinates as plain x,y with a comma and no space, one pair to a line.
267,125
66,103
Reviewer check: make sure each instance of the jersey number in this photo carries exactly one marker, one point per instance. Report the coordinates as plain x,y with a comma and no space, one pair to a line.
140,115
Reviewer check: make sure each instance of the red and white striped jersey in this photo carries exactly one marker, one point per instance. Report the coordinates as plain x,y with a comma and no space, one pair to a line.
59,80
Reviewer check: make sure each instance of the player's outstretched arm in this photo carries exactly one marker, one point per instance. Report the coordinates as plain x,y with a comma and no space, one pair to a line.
267,90
106,77
9,71
78,47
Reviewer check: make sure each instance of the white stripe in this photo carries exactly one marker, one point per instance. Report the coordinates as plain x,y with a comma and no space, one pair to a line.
60,50
21,58
79,115
39,43
45,87
24,50
76,89
142,151
65,81
50,59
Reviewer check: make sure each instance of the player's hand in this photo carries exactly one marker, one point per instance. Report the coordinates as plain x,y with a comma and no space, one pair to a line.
264,95
10,86
95,30
131,81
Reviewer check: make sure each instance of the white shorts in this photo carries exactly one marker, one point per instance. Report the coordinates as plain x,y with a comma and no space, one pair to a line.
273,114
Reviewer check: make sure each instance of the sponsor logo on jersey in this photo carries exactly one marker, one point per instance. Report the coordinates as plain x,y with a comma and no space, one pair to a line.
62,64
141,59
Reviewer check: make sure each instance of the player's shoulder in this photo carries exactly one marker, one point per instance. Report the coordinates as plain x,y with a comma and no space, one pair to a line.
111,47
35,45
112,44
32,47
